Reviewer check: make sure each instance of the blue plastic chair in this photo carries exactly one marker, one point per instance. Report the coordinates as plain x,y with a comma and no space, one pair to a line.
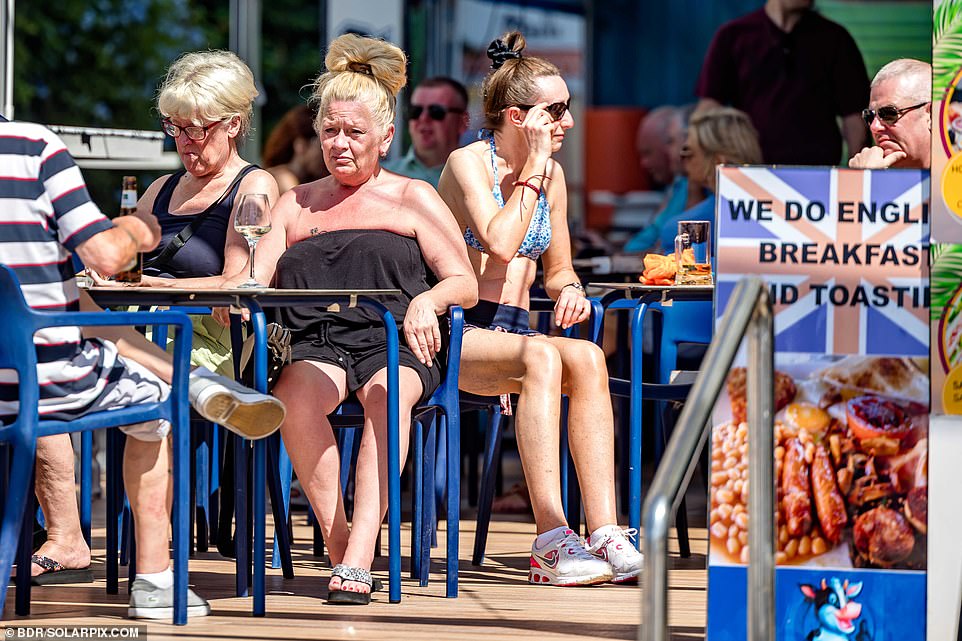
350,415
571,493
17,353
436,432
682,322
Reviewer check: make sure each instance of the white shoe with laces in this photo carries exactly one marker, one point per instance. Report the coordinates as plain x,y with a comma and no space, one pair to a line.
240,409
565,561
614,546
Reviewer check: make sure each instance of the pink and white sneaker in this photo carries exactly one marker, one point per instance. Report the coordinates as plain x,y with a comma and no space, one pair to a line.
565,561
613,545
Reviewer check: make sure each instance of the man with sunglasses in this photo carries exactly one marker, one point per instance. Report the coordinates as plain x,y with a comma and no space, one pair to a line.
437,117
900,117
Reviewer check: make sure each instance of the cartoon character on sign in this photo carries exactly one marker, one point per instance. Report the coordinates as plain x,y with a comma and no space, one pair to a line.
835,610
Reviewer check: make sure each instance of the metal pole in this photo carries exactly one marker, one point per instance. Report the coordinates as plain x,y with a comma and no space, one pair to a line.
6,60
761,477
245,41
681,456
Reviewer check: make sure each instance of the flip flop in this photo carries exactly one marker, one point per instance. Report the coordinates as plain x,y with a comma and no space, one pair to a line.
56,574
347,597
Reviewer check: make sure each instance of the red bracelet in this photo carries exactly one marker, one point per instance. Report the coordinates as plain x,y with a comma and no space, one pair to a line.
526,183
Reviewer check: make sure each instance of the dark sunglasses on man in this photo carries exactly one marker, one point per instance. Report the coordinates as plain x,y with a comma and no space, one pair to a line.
556,109
435,112
889,114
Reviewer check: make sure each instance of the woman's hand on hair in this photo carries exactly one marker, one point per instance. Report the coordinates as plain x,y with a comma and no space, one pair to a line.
538,126
571,308
421,329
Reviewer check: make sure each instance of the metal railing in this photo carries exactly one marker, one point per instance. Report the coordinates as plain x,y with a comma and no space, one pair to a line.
749,313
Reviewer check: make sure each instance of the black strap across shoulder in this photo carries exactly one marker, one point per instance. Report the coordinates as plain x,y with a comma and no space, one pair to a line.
184,235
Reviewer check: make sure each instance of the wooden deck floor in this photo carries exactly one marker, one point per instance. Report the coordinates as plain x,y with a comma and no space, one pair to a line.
495,600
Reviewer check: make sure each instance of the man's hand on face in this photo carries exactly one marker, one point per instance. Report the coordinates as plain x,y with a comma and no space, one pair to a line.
875,158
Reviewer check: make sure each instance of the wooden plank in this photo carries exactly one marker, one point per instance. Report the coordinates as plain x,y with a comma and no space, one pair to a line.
495,600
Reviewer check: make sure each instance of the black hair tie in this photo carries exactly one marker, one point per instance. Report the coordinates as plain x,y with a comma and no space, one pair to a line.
499,52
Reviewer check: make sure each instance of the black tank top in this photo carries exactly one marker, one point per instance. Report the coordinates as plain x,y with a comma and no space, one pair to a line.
203,254
350,259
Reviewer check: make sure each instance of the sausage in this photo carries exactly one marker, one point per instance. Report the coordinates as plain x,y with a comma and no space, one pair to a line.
796,494
883,536
829,504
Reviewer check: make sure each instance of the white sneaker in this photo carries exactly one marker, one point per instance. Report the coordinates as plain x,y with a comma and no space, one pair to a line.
147,601
613,545
565,561
238,408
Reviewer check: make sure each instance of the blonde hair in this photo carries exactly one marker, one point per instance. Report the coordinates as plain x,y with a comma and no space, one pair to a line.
512,81
728,132
365,70
208,86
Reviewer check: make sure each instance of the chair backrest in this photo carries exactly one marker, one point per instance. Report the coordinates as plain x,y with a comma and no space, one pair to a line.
682,322
17,351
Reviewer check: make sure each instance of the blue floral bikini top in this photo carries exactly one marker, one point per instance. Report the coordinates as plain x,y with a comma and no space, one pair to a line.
538,237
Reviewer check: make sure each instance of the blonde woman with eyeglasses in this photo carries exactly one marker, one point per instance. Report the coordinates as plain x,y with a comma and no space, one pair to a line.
205,103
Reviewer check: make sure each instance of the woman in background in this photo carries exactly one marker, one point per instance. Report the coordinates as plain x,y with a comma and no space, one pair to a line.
292,153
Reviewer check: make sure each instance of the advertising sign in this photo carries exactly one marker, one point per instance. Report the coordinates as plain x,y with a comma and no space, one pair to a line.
844,254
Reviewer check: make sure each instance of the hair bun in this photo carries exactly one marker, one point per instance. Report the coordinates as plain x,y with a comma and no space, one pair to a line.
360,67
500,52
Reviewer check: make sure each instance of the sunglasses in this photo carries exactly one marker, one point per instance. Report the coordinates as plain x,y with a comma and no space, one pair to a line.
193,132
435,112
556,109
889,114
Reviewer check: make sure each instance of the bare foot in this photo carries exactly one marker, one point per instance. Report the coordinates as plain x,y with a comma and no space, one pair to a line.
336,584
74,556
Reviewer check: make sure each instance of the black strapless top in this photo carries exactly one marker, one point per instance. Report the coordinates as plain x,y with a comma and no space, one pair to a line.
350,259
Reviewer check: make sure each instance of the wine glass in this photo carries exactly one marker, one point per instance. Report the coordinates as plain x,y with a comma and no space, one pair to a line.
253,220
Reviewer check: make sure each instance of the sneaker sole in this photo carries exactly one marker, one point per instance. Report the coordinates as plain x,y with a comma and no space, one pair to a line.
568,582
627,578
251,420
166,613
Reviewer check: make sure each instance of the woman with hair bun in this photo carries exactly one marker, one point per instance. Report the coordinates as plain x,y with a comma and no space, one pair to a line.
361,227
510,199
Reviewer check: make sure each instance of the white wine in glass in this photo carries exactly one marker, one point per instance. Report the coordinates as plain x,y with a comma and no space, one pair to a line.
253,220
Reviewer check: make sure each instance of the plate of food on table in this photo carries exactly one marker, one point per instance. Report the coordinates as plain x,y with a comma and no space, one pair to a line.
851,463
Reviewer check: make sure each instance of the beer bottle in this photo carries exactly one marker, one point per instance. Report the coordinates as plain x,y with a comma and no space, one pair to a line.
128,205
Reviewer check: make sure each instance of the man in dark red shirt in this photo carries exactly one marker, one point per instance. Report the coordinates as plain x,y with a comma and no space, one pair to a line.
794,72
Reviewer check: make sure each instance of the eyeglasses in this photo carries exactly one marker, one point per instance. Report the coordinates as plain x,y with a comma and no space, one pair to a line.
435,112
193,132
556,109
889,114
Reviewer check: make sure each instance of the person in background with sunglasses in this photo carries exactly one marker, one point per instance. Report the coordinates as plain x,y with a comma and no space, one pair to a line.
510,199
899,117
437,117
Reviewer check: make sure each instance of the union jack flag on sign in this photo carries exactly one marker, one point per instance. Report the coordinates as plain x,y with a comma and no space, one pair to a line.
844,251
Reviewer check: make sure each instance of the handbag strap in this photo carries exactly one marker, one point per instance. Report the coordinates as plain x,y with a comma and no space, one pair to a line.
184,235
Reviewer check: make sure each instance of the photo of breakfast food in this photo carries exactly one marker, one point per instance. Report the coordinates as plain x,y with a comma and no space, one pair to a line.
851,463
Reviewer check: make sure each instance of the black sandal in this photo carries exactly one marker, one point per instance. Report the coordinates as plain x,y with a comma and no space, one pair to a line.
347,597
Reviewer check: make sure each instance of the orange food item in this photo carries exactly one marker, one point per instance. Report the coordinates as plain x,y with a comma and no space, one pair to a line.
661,270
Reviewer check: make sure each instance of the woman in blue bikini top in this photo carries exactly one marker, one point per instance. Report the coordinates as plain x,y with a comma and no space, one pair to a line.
510,199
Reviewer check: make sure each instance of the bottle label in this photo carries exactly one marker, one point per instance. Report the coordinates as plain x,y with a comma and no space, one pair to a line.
128,199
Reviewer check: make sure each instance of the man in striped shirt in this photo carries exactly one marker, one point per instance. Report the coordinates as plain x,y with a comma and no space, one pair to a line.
45,214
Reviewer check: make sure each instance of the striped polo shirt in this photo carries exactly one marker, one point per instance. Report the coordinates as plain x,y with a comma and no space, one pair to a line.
45,213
